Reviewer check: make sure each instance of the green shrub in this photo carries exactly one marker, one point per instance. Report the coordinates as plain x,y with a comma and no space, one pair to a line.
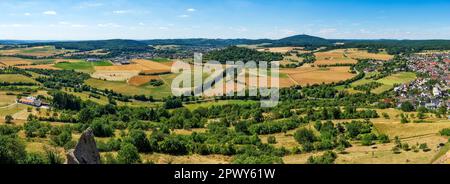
271,140
102,128
383,138
327,158
62,139
367,139
12,150
128,154
445,132
34,158
304,136
139,139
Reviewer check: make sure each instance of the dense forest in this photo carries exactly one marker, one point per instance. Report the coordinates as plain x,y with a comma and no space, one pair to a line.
101,44
242,54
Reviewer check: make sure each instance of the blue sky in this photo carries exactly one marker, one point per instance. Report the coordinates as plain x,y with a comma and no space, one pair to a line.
149,19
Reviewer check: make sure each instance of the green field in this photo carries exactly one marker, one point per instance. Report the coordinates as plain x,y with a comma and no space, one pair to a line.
124,88
161,59
38,49
82,66
15,78
388,82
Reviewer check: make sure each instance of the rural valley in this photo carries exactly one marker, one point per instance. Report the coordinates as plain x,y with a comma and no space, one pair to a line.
341,101
224,91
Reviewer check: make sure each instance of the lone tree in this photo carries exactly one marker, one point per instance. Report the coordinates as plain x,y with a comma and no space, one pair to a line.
8,119
128,154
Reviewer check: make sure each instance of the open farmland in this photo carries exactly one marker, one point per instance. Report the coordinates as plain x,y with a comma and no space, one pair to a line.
347,56
35,63
282,50
6,100
47,67
363,54
387,82
315,75
333,57
140,65
127,89
40,51
13,61
15,78
82,66
126,72
142,79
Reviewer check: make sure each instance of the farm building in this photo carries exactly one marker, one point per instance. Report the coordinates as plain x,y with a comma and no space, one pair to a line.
93,60
30,101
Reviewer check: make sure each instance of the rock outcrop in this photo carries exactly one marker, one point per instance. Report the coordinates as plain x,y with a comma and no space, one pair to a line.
86,151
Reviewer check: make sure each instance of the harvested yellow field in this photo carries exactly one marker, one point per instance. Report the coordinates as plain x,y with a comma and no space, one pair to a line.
40,51
6,100
115,75
189,159
282,50
151,66
47,67
348,56
315,75
140,65
142,79
126,72
363,54
13,61
333,57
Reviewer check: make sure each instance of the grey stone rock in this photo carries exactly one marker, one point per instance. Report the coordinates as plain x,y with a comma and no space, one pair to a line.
86,151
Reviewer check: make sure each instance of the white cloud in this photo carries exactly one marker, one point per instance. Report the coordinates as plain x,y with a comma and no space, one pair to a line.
27,14
121,11
141,24
183,16
191,10
50,12
63,23
163,28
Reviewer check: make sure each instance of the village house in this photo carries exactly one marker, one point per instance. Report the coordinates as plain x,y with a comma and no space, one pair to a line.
93,60
33,101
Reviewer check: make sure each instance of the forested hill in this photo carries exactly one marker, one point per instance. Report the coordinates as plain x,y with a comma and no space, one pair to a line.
298,40
392,46
302,40
206,42
101,44
242,54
